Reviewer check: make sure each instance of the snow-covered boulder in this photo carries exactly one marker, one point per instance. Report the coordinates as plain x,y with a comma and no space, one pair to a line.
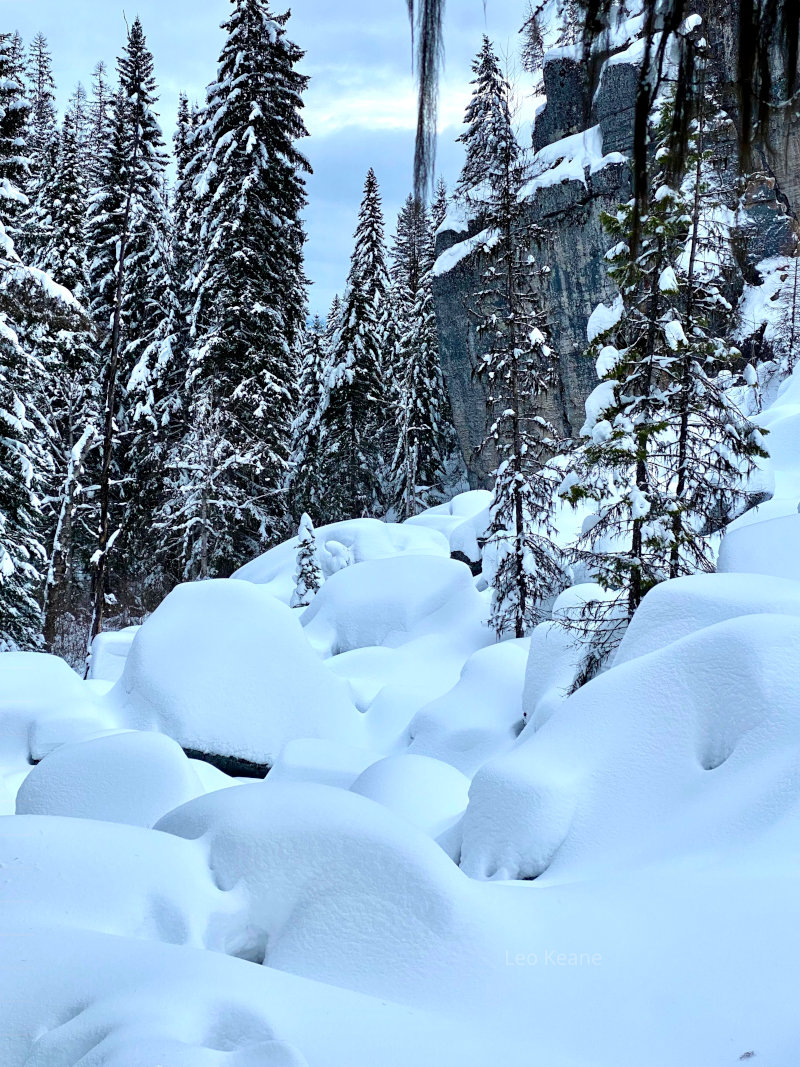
387,602
463,520
109,652
123,880
770,547
322,762
550,672
43,703
426,792
338,888
340,545
669,753
673,610
480,717
225,668
130,777
74,999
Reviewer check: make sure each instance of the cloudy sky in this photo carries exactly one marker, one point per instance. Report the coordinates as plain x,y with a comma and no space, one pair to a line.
360,107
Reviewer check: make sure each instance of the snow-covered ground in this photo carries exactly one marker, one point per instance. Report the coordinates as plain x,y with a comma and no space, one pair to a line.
450,863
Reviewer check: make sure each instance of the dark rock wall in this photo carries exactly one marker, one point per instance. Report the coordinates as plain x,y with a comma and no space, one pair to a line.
570,213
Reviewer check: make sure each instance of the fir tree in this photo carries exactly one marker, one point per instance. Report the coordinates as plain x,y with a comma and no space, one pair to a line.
353,404
308,576
250,287
43,151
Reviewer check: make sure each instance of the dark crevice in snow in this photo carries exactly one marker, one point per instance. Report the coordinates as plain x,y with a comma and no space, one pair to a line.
231,765
476,566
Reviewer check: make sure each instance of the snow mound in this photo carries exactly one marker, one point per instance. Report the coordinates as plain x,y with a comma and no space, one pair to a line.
109,652
339,889
429,794
75,999
340,545
675,609
43,703
132,778
114,879
666,754
463,520
386,602
550,672
480,716
224,668
771,547
323,762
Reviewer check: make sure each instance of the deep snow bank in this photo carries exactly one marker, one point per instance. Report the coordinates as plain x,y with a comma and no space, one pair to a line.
223,667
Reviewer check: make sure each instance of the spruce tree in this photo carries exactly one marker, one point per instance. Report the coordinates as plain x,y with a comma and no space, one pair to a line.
439,204
125,234
308,576
99,129
518,368
425,437
14,112
665,451
42,96
21,550
307,491
532,32
72,402
487,118
250,286
78,112
42,148
354,412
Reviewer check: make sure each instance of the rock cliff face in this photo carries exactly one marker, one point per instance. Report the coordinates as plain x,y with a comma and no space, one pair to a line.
583,171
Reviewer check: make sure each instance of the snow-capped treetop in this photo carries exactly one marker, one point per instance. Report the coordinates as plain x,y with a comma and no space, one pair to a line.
489,134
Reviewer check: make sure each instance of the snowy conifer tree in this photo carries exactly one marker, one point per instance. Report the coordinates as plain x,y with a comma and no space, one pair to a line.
308,577
354,413
425,436
439,204
99,130
516,364
487,118
306,488
42,148
125,232
21,550
250,287
665,451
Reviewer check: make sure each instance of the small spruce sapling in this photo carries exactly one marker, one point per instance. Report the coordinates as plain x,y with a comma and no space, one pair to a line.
308,576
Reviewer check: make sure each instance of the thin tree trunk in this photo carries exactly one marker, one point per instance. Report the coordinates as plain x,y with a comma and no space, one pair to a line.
793,322
686,375
636,591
